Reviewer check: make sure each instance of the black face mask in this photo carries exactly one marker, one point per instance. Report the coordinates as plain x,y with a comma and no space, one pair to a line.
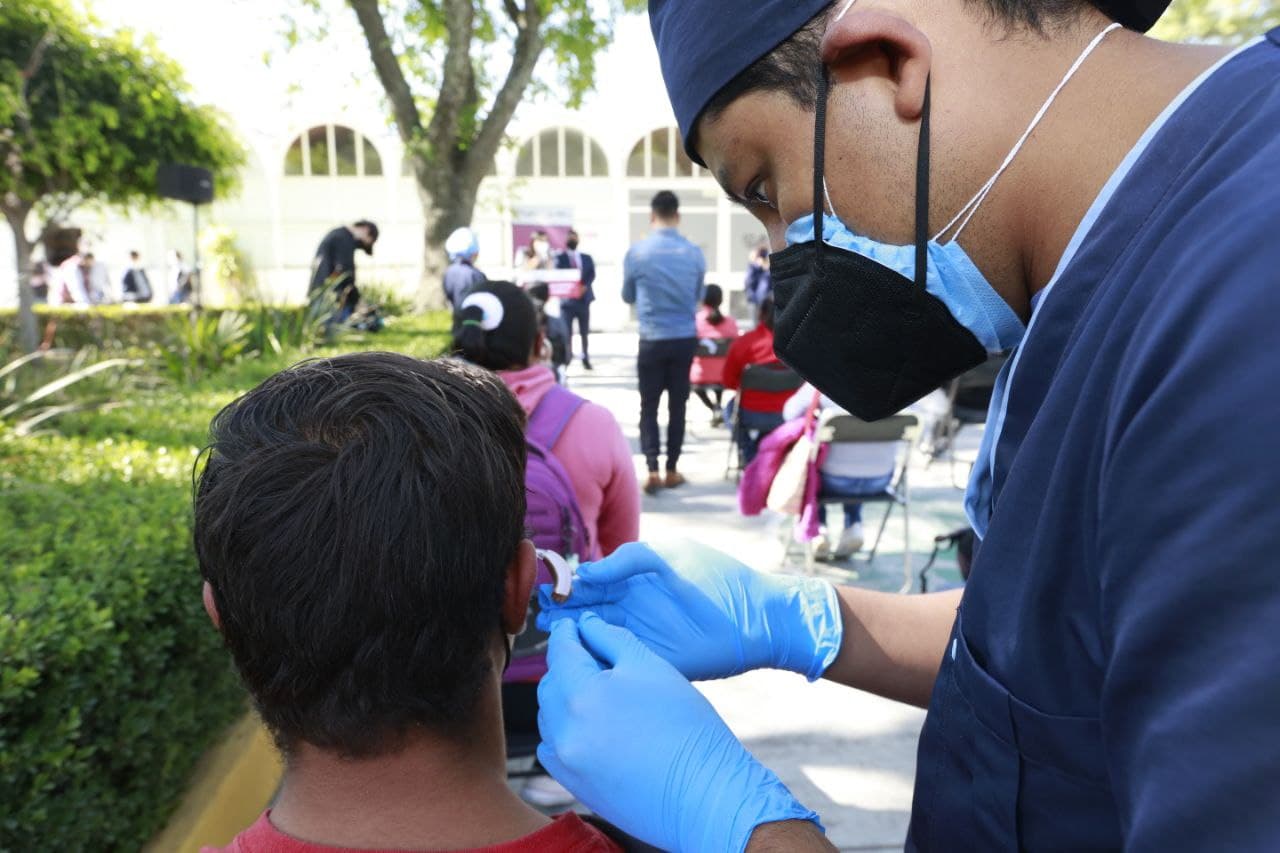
869,338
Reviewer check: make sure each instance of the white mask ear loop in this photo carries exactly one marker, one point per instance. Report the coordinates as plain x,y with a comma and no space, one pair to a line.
967,212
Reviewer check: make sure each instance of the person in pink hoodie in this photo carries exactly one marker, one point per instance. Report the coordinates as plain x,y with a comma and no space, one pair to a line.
707,373
497,328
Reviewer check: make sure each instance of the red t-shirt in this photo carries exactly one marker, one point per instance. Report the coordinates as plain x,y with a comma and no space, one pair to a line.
568,833
755,347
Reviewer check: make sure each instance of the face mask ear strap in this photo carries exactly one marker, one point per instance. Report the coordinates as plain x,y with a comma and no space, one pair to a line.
922,190
819,155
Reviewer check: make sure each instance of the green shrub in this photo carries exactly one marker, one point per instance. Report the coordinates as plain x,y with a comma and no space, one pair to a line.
113,682
390,300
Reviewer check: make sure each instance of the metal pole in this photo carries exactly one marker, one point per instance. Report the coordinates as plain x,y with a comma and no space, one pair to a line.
195,254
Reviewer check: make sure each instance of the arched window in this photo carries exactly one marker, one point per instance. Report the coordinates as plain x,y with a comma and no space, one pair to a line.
331,149
661,155
561,152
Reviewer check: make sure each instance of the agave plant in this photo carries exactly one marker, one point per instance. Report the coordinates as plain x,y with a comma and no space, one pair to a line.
64,382
204,342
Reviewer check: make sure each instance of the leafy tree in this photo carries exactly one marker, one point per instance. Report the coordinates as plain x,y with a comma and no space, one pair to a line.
86,117
452,91
1218,20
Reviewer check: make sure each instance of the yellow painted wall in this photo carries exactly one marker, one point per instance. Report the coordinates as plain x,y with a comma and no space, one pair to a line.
231,786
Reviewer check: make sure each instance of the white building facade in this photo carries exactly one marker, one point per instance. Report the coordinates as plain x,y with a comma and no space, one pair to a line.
313,164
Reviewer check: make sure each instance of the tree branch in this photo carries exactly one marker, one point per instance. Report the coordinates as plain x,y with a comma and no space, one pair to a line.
458,84
403,106
513,11
528,48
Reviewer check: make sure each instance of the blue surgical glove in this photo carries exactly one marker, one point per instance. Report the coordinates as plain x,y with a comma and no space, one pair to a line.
707,614
641,747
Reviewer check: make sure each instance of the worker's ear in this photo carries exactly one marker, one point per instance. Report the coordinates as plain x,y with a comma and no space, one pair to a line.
521,573
878,42
210,606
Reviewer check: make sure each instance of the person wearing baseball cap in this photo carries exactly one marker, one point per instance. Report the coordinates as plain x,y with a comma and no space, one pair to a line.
942,180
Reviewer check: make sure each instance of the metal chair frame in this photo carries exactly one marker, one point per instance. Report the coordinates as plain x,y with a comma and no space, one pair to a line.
841,428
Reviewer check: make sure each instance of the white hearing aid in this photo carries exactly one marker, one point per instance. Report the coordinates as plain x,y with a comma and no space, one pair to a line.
562,571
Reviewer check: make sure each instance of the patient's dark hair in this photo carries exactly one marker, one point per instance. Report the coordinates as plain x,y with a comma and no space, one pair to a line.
509,345
355,519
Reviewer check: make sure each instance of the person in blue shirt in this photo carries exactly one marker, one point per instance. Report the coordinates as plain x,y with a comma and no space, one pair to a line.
462,276
662,276
952,178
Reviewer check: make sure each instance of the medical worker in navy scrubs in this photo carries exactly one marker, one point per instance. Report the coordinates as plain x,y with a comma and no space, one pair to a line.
1033,175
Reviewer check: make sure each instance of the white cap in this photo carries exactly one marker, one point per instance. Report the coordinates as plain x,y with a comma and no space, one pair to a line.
462,243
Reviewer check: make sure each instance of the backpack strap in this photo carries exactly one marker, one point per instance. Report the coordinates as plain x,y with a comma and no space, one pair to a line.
552,415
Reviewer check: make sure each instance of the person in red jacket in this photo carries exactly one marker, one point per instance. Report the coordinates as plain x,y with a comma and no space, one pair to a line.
760,411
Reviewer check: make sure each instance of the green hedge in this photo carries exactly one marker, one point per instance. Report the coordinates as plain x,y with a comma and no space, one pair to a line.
112,680
112,327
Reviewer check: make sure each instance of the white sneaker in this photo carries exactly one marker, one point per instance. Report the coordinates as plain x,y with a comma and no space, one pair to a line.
547,793
821,547
851,540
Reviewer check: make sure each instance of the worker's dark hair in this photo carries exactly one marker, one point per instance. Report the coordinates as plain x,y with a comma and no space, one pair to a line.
764,314
133,254
355,521
794,66
713,299
665,204
509,345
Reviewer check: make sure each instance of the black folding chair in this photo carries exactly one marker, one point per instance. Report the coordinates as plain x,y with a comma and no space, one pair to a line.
774,378
710,349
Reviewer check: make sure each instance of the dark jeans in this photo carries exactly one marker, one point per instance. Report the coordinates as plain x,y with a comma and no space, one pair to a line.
837,487
576,309
711,397
752,428
663,367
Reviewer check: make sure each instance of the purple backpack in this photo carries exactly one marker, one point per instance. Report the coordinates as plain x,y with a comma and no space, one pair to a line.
552,519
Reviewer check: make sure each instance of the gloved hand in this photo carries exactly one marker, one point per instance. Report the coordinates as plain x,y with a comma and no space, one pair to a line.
707,614
641,747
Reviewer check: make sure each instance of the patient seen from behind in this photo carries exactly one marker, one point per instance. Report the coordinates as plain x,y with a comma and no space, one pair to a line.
359,528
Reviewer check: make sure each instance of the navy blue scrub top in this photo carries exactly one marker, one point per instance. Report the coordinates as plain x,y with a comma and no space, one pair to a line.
1113,679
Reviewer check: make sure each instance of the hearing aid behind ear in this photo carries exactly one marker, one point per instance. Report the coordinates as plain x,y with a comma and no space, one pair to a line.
562,572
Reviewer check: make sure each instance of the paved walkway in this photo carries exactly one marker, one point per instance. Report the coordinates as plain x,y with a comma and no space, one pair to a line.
848,755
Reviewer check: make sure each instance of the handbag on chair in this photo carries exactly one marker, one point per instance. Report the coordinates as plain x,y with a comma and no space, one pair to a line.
786,493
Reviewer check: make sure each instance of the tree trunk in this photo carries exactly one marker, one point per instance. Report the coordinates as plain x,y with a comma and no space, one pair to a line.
28,330
448,202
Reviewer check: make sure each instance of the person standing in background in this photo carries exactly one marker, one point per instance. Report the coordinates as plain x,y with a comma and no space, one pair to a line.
536,255
134,285
334,266
180,279
72,281
98,282
662,276
578,310
40,277
462,277
759,283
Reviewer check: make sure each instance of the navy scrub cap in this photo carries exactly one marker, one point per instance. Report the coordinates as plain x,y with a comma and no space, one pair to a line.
704,44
